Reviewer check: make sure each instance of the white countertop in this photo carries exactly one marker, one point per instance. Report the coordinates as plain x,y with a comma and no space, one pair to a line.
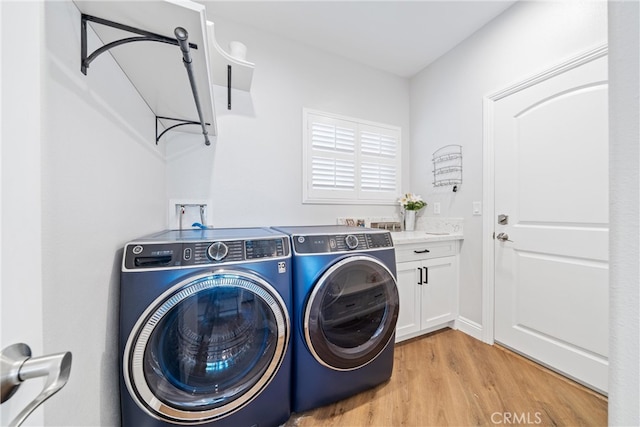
421,236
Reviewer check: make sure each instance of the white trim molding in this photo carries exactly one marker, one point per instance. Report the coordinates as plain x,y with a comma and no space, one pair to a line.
469,327
488,164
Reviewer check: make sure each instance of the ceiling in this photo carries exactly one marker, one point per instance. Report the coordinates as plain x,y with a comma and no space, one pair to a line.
400,37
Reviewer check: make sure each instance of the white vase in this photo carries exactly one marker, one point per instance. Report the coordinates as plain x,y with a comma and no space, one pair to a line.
409,220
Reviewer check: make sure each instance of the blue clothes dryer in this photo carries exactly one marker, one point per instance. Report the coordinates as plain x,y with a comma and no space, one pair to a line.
205,329
345,309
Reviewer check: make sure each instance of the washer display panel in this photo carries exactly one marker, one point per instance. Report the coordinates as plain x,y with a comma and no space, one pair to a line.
208,348
351,314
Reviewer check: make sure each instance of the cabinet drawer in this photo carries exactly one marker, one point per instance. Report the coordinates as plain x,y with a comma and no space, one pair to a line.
419,251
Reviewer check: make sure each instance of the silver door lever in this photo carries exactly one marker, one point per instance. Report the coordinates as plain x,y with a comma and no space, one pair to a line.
503,237
17,366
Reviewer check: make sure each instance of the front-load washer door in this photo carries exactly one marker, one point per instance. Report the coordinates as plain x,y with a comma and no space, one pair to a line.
206,347
351,314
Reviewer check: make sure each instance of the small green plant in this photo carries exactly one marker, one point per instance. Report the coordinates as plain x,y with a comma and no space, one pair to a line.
412,202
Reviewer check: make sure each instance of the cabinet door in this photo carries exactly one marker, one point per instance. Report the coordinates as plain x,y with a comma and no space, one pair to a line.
439,291
409,292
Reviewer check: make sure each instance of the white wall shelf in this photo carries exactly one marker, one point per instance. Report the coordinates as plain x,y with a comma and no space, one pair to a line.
156,69
241,70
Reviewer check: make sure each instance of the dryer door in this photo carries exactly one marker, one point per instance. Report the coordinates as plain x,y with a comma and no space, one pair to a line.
351,314
207,347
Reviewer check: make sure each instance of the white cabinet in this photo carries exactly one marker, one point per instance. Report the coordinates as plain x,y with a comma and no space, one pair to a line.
409,315
439,291
428,287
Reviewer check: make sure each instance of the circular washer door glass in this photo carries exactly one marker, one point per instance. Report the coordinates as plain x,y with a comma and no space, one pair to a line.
351,314
209,348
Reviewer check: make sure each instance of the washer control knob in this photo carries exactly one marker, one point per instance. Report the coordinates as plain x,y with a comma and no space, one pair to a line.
217,251
351,241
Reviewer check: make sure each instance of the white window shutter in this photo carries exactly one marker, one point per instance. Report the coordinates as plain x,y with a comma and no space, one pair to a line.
331,158
332,137
349,161
378,144
336,174
378,177
379,165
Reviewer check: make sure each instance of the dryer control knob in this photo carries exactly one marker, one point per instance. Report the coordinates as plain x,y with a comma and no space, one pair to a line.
351,241
217,251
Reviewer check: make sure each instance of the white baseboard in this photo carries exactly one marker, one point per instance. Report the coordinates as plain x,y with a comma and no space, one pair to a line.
469,327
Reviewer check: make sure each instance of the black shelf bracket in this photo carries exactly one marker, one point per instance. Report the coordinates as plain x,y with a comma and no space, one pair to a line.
228,87
181,40
181,122
86,60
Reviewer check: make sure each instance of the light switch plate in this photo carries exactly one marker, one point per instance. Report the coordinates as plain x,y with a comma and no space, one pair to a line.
477,208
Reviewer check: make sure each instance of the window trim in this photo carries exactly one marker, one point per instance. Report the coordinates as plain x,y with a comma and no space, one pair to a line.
357,196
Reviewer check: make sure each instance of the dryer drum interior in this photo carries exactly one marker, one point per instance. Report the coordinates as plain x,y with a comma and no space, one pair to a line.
208,348
351,314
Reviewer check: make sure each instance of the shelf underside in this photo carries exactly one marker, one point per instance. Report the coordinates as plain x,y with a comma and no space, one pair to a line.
156,69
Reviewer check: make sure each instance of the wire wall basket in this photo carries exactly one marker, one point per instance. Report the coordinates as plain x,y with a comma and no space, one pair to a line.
447,166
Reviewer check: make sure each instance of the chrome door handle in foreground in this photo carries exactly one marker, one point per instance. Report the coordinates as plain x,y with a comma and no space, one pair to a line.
503,237
17,366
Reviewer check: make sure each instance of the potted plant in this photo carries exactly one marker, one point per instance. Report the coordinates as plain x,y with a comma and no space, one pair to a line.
411,204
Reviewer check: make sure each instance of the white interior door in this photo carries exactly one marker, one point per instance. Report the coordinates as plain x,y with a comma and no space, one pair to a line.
551,179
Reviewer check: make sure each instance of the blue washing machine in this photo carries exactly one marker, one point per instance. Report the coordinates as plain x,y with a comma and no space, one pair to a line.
345,309
205,329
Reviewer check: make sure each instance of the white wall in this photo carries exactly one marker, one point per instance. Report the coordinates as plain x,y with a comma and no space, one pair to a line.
103,183
21,190
254,173
624,104
446,106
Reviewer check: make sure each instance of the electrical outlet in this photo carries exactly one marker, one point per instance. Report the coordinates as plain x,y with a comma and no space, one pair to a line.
436,208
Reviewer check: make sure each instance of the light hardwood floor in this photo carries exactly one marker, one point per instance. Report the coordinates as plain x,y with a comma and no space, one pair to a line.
451,379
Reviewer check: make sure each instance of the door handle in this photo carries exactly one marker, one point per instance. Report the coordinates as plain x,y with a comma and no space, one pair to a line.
503,237
18,366
420,274
426,275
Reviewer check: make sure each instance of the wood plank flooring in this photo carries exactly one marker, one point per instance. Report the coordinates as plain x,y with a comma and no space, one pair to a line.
451,379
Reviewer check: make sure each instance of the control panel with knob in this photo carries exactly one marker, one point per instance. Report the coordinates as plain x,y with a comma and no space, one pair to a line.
346,242
192,252
217,251
351,241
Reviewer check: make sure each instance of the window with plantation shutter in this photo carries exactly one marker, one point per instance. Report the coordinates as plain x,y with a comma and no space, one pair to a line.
348,160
